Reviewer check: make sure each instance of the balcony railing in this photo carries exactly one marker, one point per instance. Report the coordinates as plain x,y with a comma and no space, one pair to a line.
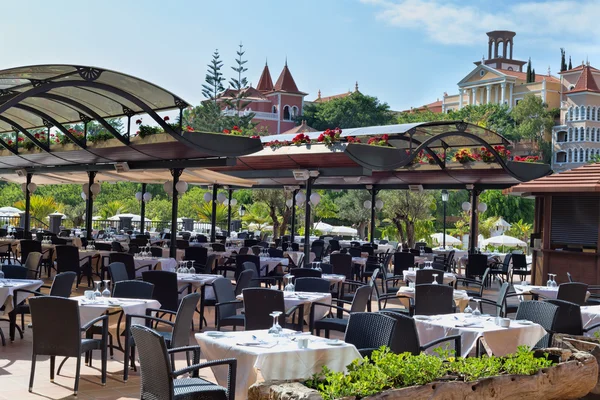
257,114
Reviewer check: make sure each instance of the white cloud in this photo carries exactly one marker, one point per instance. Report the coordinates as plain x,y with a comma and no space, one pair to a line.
446,22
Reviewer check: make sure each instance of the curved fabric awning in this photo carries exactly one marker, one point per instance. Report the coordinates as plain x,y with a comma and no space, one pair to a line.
56,96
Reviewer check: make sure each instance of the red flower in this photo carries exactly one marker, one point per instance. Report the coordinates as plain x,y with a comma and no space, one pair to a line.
321,138
10,142
226,131
37,135
254,137
166,118
20,139
189,128
138,121
137,133
235,128
385,137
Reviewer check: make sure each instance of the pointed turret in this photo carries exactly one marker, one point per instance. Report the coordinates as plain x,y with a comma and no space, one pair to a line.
586,81
265,83
285,82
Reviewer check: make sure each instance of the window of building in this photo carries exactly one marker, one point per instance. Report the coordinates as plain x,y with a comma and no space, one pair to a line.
582,113
561,136
274,111
570,156
570,114
570,138
593,136
571,87
580,155
294,112
593,116
509,69
286,113
576,114
587,115
482,72
587,134
561,157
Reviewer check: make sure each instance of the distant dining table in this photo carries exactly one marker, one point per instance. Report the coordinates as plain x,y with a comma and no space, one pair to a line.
8,287
411,276
405,293
499,341
267,264
277,358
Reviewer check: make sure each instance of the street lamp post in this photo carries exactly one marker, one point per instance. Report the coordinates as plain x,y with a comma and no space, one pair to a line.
444,200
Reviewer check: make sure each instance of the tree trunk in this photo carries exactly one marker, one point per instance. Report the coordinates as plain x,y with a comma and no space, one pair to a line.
400,228
361,229
284,224
410,233
273,215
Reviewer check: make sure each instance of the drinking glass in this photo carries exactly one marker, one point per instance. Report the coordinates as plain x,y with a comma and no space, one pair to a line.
435,282
106,291
468,309
554,284
290,286
97,292
476,311
422,251
549,283
276,329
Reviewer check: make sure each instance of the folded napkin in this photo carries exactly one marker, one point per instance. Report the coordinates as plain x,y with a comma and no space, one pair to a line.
469,325
258,344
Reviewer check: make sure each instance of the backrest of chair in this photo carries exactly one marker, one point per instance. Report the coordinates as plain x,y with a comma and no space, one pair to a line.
134,289
63,284
506,263
318,249
367,248
569,277
155,251
52,338
156,380
575,292
218,246
14,271
326,268
165,288
224,292
519,261
197,254
312,284
354,251
341,264
258,304
28,246
433,299
182,244
501,299
117,272
568,317
67,258
334,245
240,259
209,266
405,337
402,262
542,313
295,246
183,320
362,296
244,280
104,246
273,252
450,258
426,276
250,242
476,265
33,264
369,331
116,246
127,260
305,273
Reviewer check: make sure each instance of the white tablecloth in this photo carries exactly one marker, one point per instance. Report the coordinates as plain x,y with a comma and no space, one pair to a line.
590,315
166,264
544,291
295,256
180,253
333,278
267,264
500,341
282,361
88,310
412,275
291,299
8,287
197,281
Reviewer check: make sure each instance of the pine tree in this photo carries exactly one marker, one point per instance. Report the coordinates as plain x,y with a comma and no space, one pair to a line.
237,102
533,75
570,65
214,78
563,62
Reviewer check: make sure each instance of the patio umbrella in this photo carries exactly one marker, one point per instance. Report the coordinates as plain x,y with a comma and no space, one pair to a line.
439,238
343,231
503,240
10,211
323,227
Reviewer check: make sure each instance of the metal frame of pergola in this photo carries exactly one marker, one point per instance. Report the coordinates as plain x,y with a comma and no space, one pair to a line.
54,96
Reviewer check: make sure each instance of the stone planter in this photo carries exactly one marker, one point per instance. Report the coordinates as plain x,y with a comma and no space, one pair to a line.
572,378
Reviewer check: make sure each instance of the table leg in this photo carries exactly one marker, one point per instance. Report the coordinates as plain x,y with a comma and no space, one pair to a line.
202,295
12,316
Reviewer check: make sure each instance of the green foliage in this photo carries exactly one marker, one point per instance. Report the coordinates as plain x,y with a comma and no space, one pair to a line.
10,193
511,208
237,101
75,214
594,159
354,213
407,211
159,209
204,212
352,111
386,370
112,208
563,62
520,230
214,78
40,207
533,121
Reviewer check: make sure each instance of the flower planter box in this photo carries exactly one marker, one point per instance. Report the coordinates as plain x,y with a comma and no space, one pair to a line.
572,378
581,343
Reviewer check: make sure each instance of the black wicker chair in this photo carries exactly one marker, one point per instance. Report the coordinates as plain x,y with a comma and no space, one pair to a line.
540,312
129,262
260,302
14,271
362,296
369,331
63,339
245,280
159,381
568,319
227,305
433,299
575,292
177,337
135,289
305,273
502,307
476,266
312,284
406,337
341,264
166,289
199,255
61,287
501,269
519,267
67,259
276,253
472,282
117,272
425,276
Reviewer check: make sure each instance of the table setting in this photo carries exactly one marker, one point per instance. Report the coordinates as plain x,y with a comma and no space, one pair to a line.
282,354
405,293
411,276
9,286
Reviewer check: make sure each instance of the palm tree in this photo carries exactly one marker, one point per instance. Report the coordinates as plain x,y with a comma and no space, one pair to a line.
521,230
204,212
112,208
39,207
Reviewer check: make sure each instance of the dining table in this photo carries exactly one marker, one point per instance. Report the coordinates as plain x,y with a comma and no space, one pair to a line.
405,293
275,357
267,264
411,276
590,317
498,341
156,263
8,287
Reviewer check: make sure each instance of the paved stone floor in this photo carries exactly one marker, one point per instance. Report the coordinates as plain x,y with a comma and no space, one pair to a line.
15,366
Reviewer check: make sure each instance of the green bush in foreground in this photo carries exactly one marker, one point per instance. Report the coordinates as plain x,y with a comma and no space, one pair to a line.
386,370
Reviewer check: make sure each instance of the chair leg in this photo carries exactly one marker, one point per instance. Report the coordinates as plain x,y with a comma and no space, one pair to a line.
77,372
52,365
32,372
61,365
104,352
2,337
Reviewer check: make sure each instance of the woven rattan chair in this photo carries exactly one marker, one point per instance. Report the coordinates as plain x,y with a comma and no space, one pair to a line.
159,380
306,273
540,312
197,254
433,299
311,284
575,292
479,285
369,331
502,307
359,304
135,289
166,288
63,339
227,305
260,302
568,319
425,276
177,337
129,262
519,267
14,271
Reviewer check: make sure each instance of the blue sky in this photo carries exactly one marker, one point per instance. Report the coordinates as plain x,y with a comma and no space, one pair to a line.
405,52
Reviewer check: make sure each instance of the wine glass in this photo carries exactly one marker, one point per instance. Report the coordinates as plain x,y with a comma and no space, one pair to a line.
476,311
553,282
276,328
106,291
97,292
435,282
549,283
422,251
468,309
290,286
